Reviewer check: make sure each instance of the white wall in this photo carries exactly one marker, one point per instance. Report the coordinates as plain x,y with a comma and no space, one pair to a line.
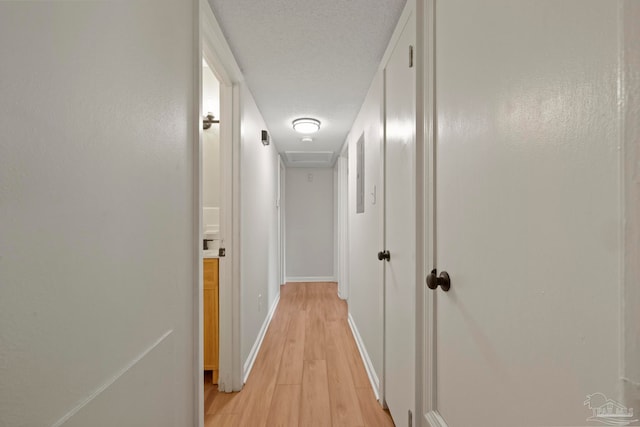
259,257
210,92
211,187
309,224
365,229
211,142
341,248
211,167
97,254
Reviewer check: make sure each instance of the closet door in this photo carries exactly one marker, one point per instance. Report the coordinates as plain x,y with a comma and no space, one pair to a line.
400,278
527,210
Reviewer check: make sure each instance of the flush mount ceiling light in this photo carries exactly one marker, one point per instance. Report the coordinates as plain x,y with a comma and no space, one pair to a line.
306,125
307,139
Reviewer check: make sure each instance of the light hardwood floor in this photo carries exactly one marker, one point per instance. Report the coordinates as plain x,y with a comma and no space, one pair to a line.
308,371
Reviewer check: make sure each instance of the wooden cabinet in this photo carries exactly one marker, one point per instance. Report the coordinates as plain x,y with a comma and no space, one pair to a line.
210,308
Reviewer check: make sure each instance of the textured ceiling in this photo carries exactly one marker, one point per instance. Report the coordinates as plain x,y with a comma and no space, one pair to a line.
308,58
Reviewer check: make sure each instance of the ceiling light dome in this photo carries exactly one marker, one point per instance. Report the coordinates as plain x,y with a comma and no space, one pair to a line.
306,125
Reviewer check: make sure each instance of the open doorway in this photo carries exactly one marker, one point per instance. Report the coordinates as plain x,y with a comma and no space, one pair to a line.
211,201
217,295
217,350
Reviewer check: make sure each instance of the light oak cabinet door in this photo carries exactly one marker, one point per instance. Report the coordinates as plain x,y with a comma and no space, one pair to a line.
210,309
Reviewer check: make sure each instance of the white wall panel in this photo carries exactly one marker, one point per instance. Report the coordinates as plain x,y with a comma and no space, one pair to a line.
365,229
97,249
259,223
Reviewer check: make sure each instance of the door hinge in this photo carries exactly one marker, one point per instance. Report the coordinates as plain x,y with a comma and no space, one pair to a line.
222,252
410,418
410,56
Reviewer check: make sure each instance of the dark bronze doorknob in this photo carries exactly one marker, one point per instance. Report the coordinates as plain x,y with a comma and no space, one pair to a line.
443,280
384,255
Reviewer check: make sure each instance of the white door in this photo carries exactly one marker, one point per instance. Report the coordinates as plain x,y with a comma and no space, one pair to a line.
527,211
399,357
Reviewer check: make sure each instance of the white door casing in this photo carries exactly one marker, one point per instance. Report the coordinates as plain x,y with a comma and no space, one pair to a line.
215,50
343,224
281,218
527,211
399,341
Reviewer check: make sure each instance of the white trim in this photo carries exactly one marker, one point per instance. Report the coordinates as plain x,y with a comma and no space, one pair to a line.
310,279
226,271
371,372
344,152
198,293
212,45
382,234
342,211
433,419
217,50
428,400
248,364
422,193
235,248
282,199
629,105
336,227
425,202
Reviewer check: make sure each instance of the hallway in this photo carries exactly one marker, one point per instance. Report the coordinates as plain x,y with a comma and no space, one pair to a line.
308,371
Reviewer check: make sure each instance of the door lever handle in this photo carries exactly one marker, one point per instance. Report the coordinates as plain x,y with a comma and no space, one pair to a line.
444,281
384,255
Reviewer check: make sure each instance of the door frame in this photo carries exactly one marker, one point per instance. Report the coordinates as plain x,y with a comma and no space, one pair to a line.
426,143
282,173
629,105
342,264
211,46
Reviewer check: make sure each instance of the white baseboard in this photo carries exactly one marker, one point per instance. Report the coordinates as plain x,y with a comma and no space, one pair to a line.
299,279
434,419
371,373
248,364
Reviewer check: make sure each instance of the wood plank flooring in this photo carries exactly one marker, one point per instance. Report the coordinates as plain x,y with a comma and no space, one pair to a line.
308,371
